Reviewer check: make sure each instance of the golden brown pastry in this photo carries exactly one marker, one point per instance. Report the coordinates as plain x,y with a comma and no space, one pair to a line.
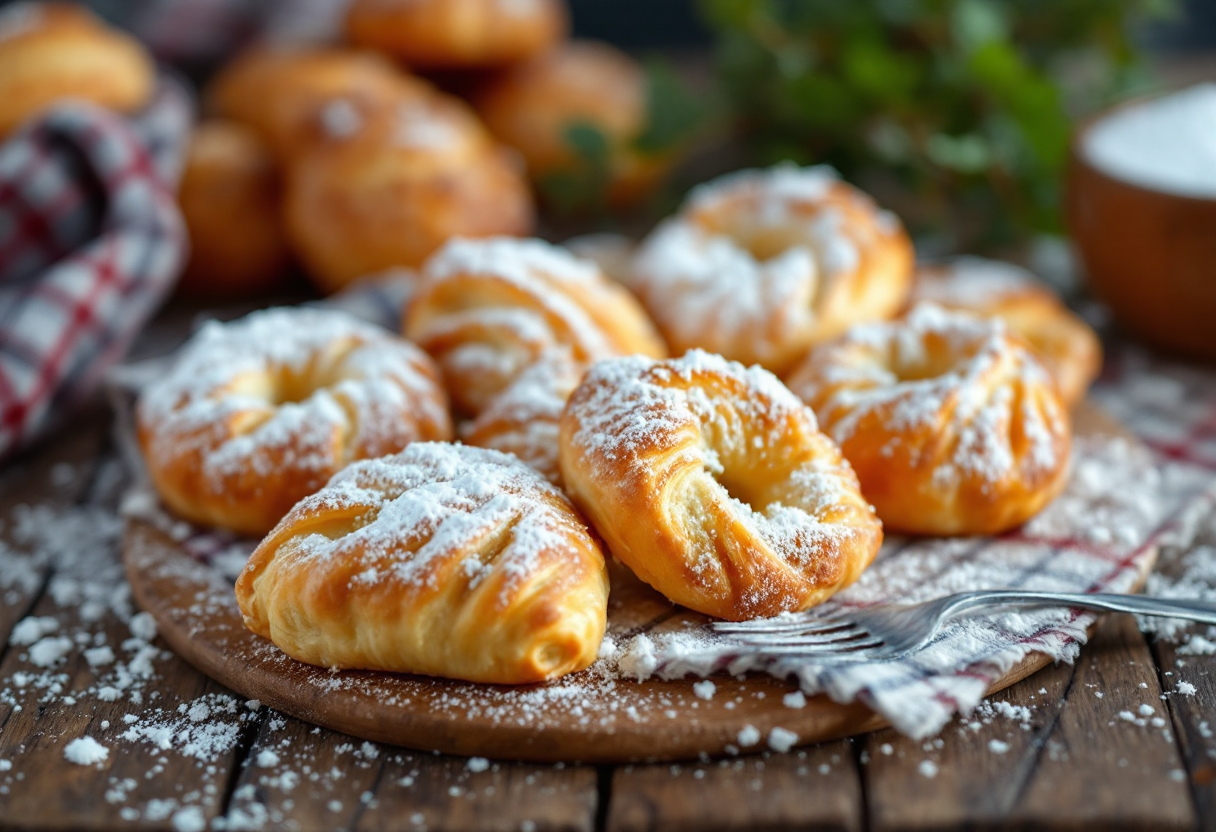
523,419
713,484
258,413
534,106
230,196
51,51
488,309
444,560
1068,346
761,264
952,424
457,34
295,97
393,193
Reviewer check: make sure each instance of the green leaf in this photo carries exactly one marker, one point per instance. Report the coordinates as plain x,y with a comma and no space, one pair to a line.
673,112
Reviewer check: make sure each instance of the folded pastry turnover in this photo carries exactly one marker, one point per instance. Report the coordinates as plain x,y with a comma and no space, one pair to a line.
444,560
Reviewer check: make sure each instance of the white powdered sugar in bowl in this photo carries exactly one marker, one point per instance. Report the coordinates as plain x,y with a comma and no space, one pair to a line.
1165,144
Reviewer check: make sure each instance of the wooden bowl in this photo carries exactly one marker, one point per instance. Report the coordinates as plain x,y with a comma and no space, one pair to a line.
1149,255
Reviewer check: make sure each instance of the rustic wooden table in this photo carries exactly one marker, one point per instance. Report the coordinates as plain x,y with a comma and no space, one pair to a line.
1105,744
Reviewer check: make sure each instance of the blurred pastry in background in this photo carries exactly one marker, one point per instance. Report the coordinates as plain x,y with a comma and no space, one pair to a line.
231,199
50,51
457,34
282,92
1067,345
576,114
392,191
613,253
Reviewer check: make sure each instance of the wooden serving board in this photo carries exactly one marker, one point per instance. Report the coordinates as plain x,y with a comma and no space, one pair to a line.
585,717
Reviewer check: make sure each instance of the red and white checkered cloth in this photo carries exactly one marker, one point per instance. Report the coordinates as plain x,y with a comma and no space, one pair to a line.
91,242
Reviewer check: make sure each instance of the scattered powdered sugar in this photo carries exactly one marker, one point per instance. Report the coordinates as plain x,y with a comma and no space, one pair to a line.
782,740
32,629
927,768
85,751
704,689
1184,688
1166,144
340,118
515,260
749,735
998,746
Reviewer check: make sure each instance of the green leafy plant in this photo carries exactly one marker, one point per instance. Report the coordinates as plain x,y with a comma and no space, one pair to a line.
958,111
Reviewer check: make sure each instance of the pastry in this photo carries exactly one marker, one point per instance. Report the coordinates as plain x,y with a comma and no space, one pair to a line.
760,265
523,419
714,485
230,197
391,193
1067,345
581,85
294,96
457,34
488,309
444,560
258,413
52,51
952,424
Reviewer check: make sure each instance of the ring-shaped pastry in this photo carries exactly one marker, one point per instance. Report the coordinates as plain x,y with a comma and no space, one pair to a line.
760,265
258,413
714,485
444,559
1068,346
953,425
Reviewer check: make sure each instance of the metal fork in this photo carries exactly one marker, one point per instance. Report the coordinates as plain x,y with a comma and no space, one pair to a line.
887,631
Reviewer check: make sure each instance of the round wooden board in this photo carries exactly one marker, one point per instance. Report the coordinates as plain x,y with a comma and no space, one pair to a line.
584,717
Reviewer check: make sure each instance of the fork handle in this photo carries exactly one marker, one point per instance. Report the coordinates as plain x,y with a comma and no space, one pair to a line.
1104,602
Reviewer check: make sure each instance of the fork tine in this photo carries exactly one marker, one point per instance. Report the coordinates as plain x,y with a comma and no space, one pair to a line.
794,639
863,651
807,624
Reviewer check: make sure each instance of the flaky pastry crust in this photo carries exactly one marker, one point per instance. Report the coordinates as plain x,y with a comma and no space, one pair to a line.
1069,348
457,34
760,265
51,51
952,424
714,485
444,560
258,413
488,309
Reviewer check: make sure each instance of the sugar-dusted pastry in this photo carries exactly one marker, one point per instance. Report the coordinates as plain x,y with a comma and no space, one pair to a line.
953,425
534,107
1068,346
394,190
523,419
761,264
258,413
488,309
231,197
457,34
52,51
293,95
444,560
712,482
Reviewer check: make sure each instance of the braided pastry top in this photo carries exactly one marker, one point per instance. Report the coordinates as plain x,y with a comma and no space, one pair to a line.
953,425
759,265
487,309
444,560
257,413
713,484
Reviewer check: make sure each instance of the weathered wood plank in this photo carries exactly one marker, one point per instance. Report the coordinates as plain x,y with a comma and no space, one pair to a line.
1190,685
304,778
423,791
167,736
1103,758
813,788
55,478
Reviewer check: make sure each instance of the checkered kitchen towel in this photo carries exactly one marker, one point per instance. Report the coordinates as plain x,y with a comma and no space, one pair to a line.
1123,502
91,241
